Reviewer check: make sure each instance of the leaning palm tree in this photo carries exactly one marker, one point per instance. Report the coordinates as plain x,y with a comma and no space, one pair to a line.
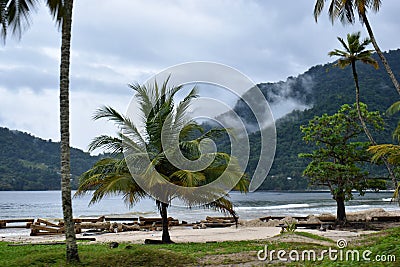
143,166
345,10
15,14
390,152
354,51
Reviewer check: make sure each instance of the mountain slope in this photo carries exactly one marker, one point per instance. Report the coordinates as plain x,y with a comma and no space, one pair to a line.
31,163
326,89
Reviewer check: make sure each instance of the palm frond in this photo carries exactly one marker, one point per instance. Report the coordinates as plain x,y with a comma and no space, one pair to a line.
344,44
109,144
319,6
394,108
376,4
190,130
223,205
144,98
389,151
183,106
124,123
188,179
18,15
56,8
3,20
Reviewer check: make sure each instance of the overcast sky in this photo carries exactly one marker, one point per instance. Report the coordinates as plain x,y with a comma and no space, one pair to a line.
123,41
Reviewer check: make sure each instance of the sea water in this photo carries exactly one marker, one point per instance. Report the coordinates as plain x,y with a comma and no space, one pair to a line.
47,205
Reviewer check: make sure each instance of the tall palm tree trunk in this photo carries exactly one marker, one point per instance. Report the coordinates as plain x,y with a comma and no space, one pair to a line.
364,126
72,249
164,216
380,54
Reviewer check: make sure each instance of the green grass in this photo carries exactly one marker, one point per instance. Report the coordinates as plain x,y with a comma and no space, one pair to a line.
312,236
92,255
194,254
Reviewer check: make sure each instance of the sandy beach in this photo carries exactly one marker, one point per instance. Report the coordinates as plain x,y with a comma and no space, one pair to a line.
246,230
186,234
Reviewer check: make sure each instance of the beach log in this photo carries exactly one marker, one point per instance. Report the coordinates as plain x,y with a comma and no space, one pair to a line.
3,223
45,228
134,227
47,223
220,219
96,225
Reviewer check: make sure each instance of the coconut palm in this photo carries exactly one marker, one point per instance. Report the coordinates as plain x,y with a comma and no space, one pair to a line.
394,108
15,14
344,10
141,157
390,152
354,51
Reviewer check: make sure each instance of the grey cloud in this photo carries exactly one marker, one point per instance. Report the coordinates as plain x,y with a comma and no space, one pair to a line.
116,44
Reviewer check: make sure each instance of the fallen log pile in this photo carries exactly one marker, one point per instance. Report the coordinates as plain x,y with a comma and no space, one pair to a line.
213,222
107,224
28,222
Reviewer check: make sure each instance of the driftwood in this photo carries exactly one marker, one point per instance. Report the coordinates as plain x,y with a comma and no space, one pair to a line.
85,220
213,222
3,223
126,219
134,227
156,222
95,225
43,227
45,222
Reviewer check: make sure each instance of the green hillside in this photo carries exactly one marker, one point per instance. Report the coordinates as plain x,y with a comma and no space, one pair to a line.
327,89
31,163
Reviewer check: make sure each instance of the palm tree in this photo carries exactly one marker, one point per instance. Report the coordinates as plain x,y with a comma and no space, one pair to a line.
16,14
141,166
354,51
389,152
345,10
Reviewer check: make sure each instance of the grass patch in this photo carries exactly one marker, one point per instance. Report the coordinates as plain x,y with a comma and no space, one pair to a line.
92,255
313,236
195,254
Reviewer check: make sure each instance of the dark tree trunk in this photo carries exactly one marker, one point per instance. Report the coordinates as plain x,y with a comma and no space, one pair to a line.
72,248
360,117
164,215
380,54
341,211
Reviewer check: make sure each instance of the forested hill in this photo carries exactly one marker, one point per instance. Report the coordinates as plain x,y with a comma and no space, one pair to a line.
31,163
323,89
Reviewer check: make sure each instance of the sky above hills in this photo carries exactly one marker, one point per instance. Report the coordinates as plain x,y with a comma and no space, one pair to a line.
119,42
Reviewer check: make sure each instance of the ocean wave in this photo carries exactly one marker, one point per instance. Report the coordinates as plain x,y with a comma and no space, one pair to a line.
276,207
387,199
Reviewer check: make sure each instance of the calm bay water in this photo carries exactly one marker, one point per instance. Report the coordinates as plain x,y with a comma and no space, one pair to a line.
47,204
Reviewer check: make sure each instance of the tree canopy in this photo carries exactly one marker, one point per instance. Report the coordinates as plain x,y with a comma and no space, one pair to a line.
336,161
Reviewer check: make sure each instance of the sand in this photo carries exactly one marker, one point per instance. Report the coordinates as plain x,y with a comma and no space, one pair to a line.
247,230
185,235
178,234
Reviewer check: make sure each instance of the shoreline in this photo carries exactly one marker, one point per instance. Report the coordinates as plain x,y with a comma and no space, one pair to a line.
187,235
246,230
